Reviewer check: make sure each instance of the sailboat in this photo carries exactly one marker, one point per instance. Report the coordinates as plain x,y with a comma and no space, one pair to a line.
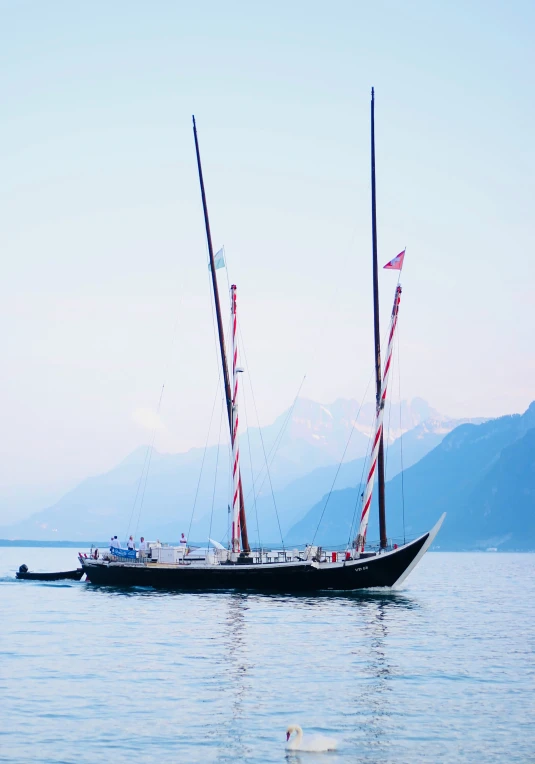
239,566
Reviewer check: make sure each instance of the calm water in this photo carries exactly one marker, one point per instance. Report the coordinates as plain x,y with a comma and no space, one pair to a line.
442,671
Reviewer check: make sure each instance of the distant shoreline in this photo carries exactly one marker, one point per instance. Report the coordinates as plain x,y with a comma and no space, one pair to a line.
56,544
61,544
105,544
74,544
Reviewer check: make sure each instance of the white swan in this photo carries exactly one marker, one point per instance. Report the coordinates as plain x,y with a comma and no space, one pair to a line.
317,744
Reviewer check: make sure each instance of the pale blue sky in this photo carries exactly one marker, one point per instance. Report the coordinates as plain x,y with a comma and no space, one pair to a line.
101,231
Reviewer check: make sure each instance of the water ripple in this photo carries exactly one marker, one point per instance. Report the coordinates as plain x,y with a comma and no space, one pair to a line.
442,671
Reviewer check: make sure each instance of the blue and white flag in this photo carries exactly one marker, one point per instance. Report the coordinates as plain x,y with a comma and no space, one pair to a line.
219,259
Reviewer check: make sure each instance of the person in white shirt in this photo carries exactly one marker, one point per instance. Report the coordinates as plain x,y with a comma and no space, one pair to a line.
131,543
142,545
183,540
115,542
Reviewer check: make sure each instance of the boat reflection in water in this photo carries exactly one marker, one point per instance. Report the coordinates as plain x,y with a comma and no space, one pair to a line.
262,661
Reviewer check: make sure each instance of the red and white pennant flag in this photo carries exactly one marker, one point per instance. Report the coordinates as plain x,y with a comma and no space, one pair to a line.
397,263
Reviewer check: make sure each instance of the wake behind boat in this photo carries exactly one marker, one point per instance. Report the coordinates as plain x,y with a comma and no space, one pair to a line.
312,569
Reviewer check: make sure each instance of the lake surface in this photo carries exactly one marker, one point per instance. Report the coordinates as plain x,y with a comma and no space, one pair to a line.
441,671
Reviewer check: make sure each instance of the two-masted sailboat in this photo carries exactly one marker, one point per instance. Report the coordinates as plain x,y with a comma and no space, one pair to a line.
241,567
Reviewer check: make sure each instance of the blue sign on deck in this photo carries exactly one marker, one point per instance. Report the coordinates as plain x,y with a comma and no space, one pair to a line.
129,554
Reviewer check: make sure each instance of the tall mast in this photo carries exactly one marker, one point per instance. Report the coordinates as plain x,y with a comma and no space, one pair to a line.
377,338
228,394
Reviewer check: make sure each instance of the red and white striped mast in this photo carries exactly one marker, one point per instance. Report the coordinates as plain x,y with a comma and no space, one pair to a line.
236,477
367,497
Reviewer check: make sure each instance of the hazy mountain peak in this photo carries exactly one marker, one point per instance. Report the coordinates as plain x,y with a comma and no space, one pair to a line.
310,416
137,456
315,437
482,475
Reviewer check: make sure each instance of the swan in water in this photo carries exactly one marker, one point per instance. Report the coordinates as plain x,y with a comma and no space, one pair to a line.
317,743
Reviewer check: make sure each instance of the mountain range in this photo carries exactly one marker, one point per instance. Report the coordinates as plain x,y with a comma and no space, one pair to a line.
309,448
482,476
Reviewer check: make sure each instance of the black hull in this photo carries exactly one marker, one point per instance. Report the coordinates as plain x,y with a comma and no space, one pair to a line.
384,570
72,575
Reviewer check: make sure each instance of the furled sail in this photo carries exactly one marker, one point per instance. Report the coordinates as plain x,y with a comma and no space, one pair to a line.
367,498
236,478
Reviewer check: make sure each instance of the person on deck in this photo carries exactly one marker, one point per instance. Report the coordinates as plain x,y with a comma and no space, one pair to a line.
115,542
142,545
131,543
183,541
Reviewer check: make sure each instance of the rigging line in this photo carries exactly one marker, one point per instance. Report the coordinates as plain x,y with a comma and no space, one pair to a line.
273,450
149,448
388,443
387,449
262,441
229,489
276,442
278,439
251,466
204,457
216,338
353,527
342,459
389,410
145,469
364,464
215,476
230,474
138,489
227,533
151,451
343,455
401,440
216,342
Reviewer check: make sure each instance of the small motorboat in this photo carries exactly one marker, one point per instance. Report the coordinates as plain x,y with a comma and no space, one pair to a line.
28,575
